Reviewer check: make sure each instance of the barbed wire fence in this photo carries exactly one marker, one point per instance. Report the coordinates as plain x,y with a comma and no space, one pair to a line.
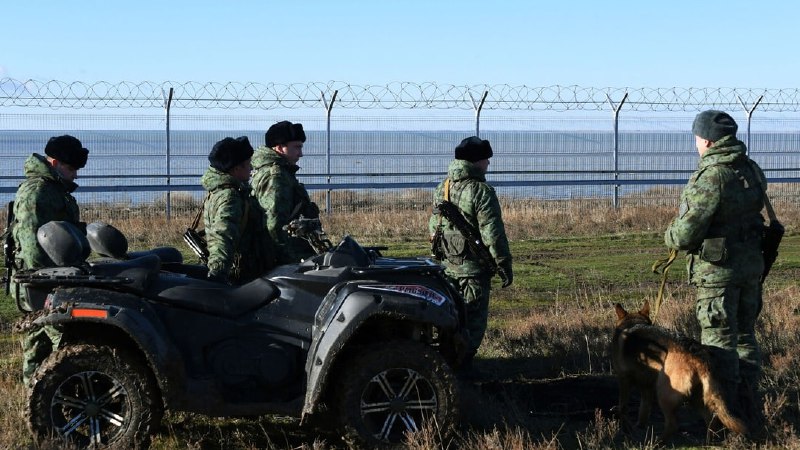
398,95
594,164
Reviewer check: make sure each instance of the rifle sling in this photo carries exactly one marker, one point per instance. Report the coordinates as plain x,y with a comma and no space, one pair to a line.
767,203
199,214
446,197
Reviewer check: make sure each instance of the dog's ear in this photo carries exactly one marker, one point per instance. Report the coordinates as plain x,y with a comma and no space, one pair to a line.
620,311
645,311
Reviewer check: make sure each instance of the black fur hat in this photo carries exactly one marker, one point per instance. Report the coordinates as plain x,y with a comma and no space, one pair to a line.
229,152
67,149
474,149
714,125
283,132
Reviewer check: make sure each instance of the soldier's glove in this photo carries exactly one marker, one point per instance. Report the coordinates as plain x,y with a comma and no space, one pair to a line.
506,273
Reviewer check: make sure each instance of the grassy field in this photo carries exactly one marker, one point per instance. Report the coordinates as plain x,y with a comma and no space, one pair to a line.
545,372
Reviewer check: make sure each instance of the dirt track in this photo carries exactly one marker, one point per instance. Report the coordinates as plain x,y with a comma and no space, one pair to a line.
566,406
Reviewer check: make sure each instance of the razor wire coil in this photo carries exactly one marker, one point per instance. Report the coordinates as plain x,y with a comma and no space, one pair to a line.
396,95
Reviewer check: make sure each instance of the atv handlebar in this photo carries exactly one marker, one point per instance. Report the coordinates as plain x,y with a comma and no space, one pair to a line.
311,231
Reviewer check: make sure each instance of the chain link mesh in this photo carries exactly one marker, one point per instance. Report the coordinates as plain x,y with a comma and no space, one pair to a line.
397,95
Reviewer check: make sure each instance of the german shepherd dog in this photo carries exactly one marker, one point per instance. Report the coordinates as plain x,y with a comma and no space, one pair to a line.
669,368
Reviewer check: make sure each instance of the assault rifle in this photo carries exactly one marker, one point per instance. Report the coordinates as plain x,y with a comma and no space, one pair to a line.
472,236
196,241
769,245
9,247
771,238
310,230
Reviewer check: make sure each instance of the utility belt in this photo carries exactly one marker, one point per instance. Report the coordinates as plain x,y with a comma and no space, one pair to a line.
715,249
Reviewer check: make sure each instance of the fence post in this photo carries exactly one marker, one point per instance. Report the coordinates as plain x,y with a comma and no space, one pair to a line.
749,116
616,144
478,108
167,106
328,108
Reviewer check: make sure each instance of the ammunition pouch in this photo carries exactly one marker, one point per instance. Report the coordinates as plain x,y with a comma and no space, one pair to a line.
714,251
454,247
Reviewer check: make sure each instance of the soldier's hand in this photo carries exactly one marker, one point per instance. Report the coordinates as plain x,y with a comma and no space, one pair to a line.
217,277
506,274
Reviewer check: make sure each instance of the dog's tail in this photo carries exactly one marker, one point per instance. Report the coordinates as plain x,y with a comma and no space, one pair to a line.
719,404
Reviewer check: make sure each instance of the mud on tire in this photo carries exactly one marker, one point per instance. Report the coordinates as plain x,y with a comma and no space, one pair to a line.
94,396
396,387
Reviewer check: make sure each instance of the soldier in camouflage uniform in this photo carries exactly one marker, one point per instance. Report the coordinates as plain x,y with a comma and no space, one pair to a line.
275,185
479,205
44,196
239,248
720,226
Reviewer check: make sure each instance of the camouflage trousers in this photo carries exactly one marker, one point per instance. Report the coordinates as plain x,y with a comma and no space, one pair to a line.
727,317
475,291
36,345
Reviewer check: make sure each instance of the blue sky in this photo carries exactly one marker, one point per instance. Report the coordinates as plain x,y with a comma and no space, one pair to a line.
535,43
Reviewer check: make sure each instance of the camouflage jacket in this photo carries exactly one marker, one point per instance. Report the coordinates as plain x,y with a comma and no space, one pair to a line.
719,223
478,202
283,198
43,196
238,247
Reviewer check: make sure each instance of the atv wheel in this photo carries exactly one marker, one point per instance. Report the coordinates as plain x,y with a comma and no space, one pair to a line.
393,388
94,396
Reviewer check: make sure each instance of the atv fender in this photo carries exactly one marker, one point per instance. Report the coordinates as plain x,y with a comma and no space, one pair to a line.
75,308
352,306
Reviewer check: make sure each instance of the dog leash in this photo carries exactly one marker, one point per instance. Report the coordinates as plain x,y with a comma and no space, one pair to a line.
662,267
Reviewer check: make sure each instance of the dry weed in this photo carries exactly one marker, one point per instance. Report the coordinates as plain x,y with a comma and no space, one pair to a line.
379,215
515,438
600,434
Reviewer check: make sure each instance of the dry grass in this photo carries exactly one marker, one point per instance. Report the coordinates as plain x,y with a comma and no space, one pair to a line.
550,385
377,221
575,334
12,394
403,215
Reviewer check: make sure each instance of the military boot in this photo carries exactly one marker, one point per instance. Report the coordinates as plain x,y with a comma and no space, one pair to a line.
751,409
467,370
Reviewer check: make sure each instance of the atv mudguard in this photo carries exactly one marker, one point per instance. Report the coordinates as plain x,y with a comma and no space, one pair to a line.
74,308
352,305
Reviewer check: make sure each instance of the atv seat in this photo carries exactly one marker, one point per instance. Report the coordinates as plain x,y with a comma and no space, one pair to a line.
141,271
214,298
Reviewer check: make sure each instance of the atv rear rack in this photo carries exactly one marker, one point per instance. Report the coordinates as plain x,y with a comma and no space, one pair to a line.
70,280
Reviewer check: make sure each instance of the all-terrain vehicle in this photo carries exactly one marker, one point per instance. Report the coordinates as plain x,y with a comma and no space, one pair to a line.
371,339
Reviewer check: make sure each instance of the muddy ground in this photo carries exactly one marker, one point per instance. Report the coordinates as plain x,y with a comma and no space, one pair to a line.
501,396
563,406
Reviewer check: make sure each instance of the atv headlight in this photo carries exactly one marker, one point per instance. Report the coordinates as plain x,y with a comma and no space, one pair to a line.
326,307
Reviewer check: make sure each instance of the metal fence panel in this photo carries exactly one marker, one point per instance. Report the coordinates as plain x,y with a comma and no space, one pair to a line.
386,147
